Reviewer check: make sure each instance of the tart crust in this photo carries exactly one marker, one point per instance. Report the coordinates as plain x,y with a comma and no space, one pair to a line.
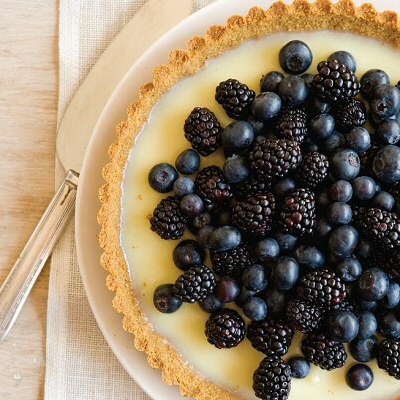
299,16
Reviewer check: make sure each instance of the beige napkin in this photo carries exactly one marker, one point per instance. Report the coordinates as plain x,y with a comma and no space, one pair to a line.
79,363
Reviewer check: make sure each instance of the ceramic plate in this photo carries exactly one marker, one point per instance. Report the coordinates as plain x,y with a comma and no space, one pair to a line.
109,321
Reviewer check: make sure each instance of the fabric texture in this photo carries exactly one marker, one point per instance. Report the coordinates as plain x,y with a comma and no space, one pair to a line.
79,363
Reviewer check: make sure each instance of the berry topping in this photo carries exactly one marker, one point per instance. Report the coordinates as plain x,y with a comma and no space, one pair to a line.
225,328
203,130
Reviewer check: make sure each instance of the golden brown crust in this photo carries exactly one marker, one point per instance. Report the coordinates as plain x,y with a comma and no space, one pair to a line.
300,16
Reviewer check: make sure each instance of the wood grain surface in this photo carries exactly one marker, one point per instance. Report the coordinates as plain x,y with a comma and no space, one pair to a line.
28,107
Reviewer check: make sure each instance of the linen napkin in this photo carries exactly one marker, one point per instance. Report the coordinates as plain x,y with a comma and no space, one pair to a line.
79,363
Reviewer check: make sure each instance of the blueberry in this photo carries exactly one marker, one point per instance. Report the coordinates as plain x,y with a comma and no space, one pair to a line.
227,289
322,126
388,132
392,297
203,236
259,127
316,105
299,367
191,205
286,241
295,57
364,188
225,238
188,253
210,304
164,299
235,169
343,240
373,284
308,79
389,324
384,100
237,136
349,269
358,139
276,300
334,142
364,248
293,91
342,326
162,177
386,164
344,57
364,350
339,213
368,305
384,201
285,273
341,191
372,78
266,249
200,221
255,309
323,228
244,294
368,325
309,256
345,164
270,81
283,186
188,162
183,186
266,106
323,200
253,278
359,377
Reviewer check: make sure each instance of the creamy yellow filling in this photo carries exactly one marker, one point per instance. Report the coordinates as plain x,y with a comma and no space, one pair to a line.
150,258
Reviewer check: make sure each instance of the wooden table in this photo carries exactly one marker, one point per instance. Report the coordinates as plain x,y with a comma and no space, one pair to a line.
28,109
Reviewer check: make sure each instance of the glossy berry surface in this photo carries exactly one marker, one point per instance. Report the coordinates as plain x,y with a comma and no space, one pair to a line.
237,136
386,164
254,278
299,366
344,57
372,78
341,191
191,205
349,269
339,213
255,308
285,273
266,106
364,350
235,169
364,188
295,57
183,186
368,325
322,126
211,304
293,91
164,299
373,284
162,177
342,326
343,240
358,139
188,253
388,132
309,256
225,238
359,377
270,81
266,249
345,164
392,296
227,289
188,162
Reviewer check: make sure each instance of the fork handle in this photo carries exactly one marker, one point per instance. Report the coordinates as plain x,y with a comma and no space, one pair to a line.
27,268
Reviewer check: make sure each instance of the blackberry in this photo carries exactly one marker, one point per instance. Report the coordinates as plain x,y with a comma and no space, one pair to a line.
394,190
292,124
270,336
272,379
203,130
303,316
167,220
322,288
323,351
251,186
231,262
274,158
382,227
314,169
254,215
212,187
298,215
195,284
388,356
335,81
225,328
350,114
235,97
389,263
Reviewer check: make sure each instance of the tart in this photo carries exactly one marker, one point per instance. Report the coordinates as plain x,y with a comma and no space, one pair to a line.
137,260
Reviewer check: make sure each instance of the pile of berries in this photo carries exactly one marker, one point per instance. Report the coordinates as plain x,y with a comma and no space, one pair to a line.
302,221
